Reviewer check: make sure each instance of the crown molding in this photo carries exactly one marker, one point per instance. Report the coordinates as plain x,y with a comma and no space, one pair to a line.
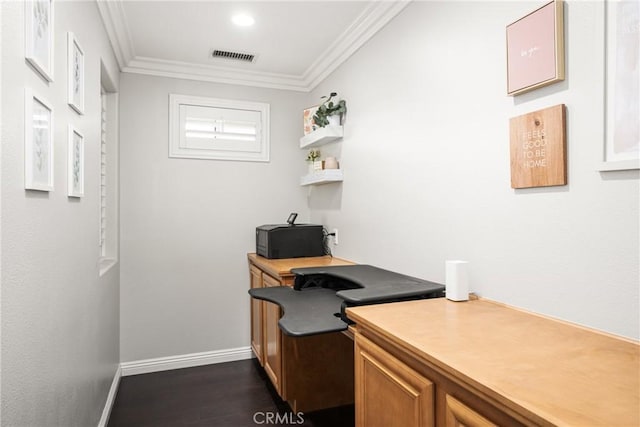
368,23
212,73
115,23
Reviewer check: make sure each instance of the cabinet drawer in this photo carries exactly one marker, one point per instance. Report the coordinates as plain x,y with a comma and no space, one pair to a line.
458,414
388,392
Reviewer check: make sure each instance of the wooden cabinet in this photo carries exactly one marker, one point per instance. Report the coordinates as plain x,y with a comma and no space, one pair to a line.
388,392
310,373
256,315
272,337
481,364
395,389
458,414
266,338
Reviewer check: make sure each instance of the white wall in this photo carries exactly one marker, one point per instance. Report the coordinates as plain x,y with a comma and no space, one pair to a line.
188,224
1,139
426,165
59,318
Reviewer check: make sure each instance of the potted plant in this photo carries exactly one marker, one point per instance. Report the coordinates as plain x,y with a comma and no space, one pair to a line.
330,111
314,157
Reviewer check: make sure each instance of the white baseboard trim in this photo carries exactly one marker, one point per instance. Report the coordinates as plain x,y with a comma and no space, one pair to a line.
111,397
185,361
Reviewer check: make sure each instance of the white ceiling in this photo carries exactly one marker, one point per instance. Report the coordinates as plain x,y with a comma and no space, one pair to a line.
296,43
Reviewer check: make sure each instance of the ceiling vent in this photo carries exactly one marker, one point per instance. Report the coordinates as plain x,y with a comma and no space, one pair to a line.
236,56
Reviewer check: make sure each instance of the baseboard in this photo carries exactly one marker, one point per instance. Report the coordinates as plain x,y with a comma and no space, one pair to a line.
185,361
111,397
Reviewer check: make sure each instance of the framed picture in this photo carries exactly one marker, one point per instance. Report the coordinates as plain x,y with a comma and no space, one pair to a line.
307,119
622,86
535,49
75,163
75,72
38,143
39,36
538,147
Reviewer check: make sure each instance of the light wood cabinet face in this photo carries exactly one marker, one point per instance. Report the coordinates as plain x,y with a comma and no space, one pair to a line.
272,337
256,316
457,414
310,373
388,392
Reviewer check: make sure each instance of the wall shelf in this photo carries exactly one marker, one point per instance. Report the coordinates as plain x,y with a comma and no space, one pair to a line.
324,176
321,136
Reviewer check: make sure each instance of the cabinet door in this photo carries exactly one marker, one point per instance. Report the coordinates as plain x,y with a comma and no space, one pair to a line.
256,315
272,337
388,392
458,414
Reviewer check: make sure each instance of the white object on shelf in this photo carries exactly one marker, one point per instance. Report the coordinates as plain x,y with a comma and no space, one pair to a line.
457,280
330,163
321,136
324,176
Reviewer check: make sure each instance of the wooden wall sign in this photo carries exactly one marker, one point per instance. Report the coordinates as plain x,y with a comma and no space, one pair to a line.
538,148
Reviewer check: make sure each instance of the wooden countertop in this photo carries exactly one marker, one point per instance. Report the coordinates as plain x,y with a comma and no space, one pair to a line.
562,373
282,267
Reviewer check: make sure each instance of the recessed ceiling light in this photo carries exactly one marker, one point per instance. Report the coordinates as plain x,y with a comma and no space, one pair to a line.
243,20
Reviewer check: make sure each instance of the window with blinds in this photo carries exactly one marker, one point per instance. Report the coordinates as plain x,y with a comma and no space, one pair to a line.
103,173
107,190
222,129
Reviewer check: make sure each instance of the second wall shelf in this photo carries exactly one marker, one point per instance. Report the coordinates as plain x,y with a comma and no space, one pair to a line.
324,176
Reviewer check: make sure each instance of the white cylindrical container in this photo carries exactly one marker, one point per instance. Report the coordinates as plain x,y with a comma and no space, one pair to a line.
457,280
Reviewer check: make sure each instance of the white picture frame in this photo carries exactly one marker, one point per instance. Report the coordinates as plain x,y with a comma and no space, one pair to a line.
75,163
75,74
38,143
39,36
621,149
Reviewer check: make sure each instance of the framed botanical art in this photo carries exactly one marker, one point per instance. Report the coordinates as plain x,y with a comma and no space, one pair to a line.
38,143
75,73
622,86
535,49
75,163
39,36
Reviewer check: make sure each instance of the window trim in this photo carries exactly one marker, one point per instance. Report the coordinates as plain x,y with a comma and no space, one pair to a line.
109,96
175,151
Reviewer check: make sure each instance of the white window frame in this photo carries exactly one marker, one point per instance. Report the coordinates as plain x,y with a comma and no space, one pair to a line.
179,150
109,219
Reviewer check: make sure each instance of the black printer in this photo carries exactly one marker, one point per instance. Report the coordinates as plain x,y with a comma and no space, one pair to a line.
289,240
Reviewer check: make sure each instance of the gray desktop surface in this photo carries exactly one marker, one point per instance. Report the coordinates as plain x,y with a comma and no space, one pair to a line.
306,312
313,305
374,284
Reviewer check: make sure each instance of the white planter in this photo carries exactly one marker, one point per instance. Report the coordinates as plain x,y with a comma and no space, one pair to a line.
334,120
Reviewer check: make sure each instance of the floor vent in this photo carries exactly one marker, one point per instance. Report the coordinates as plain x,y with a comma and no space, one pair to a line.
244,57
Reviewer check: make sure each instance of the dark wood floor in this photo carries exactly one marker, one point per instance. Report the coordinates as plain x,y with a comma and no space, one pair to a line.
233,394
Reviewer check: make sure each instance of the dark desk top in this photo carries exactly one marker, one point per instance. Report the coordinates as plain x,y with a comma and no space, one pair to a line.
306,312
315,304
371,284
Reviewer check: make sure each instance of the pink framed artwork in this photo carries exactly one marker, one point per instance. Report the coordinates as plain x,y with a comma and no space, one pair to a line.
307,119
535,49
